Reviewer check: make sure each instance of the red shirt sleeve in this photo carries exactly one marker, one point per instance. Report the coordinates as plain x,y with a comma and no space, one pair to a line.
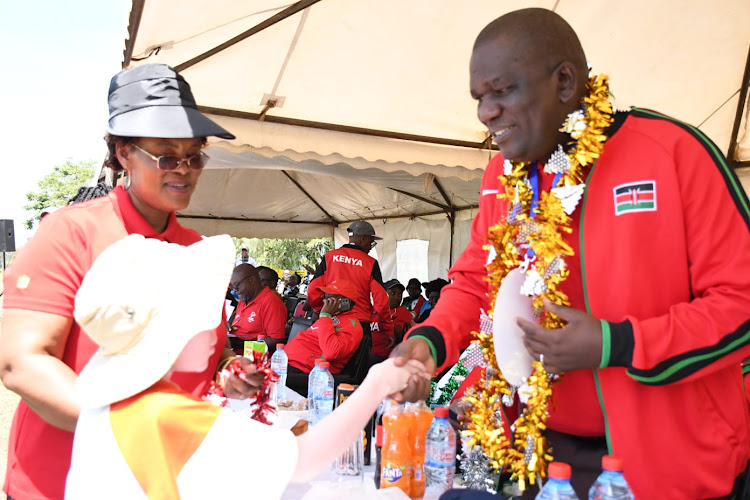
339,342
47,271
274,322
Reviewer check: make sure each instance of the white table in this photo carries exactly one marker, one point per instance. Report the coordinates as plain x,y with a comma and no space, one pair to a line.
331,486
328,485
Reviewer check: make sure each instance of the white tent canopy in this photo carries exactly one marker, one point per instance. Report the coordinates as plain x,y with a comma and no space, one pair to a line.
347,109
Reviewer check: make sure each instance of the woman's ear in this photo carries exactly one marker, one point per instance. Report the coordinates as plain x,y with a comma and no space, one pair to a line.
567,81
123,152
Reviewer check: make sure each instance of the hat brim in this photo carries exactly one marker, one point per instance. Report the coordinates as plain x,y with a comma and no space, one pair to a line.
107,379
169,122
167,324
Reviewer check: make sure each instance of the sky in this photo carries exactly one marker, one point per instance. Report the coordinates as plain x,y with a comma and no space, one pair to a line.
57,60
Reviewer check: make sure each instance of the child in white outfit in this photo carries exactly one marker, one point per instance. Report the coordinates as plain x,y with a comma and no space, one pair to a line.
152,307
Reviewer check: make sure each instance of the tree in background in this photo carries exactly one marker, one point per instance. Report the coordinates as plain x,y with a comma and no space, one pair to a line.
292,254
57,188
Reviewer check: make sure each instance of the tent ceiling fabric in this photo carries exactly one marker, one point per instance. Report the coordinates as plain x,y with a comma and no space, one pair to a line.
249,186
402,66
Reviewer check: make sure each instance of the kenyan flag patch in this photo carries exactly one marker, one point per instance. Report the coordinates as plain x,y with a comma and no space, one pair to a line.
635,197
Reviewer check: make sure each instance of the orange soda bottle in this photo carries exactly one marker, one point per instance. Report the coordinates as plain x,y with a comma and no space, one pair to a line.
421,421
396,454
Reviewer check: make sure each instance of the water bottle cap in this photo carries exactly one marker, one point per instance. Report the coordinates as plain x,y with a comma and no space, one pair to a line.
280,346
318,361
612,463
559,470
441,412
261,336
324,365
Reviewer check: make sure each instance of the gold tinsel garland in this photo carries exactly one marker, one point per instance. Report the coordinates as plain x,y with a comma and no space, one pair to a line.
528,455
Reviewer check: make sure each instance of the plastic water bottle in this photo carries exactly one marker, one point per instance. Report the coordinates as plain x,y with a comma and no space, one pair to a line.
310,400
558,487
323,392
279,364
440,454
611,484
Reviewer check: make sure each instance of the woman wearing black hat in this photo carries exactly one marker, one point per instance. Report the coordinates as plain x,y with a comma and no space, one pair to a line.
155,134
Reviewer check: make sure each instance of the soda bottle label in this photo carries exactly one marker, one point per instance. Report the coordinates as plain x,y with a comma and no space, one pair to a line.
391,473
379,435
437,459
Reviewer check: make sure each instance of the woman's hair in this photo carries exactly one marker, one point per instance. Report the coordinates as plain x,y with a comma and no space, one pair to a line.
113,140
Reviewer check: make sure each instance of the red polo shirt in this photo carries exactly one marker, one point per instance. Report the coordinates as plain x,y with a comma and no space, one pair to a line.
266,314
45,276
380,336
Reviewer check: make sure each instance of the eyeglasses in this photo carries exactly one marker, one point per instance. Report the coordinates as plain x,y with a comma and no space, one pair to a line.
172,162
234,286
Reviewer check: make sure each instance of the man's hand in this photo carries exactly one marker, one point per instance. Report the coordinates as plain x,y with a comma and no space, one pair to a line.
459,407
247,384
577,346
418,349
331,306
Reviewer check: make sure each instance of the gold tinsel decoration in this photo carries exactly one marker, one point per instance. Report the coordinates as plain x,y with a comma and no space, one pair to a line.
528,455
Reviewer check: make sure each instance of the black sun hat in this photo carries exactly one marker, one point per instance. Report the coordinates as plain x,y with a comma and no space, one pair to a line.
394,282
362,228
153,100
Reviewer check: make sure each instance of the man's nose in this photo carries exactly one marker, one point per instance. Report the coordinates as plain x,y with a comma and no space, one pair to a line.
488,109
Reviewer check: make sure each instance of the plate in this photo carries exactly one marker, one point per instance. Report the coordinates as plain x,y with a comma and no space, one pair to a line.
513,359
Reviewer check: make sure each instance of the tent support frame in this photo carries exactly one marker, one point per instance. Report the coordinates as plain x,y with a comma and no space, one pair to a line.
733,144
345,128
309,196
280,16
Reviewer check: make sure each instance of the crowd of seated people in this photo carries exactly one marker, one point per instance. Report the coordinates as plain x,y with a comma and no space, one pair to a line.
332,333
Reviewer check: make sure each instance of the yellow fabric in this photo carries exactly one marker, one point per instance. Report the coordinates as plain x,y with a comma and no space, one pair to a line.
173,423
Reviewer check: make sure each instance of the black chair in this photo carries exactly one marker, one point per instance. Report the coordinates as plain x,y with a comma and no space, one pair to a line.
291,305
355,370
300,323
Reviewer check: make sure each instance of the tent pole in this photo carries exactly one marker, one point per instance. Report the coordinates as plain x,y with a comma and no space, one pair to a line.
280,16
452,219
732,151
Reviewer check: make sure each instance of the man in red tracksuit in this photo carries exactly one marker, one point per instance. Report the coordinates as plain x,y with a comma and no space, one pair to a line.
335,336
659,285
351,262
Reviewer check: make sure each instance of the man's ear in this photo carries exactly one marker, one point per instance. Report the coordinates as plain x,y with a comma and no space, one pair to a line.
567,81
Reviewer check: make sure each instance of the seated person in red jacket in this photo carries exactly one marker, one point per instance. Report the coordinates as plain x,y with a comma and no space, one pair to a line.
385,338
336,335
260,310
414,301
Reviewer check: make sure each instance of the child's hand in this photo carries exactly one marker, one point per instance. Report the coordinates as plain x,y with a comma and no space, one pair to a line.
395,378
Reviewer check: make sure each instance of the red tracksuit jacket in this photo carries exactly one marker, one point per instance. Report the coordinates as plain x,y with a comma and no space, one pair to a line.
665,264
335,338
351,263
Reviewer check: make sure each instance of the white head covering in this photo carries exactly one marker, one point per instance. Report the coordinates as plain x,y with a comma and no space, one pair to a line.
141,302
